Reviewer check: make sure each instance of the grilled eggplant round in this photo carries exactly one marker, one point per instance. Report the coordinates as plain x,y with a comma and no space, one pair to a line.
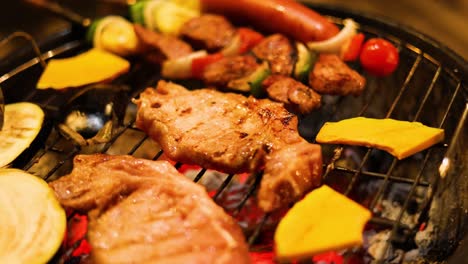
33,223
23,121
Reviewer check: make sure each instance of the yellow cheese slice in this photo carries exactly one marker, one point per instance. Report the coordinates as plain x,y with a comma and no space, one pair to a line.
324,220
90,67
399,138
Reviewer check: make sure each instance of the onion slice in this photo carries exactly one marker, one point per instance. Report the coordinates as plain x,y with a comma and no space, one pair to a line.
181,68
335,44
32,222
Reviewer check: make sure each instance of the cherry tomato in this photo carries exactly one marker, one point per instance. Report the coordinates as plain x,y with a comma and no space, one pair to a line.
379,57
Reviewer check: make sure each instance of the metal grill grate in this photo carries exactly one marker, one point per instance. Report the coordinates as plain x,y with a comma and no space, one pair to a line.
421,83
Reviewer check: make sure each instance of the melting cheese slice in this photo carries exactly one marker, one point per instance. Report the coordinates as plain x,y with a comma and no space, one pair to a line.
399,138
324,220
90,67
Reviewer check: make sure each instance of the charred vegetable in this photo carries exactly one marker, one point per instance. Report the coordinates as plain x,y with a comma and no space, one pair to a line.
113,34
91,116
33,223
23,121
164,16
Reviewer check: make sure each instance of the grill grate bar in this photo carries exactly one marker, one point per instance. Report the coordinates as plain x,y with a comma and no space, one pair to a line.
399,218
199,175
405,85
137,145
223,186
158,155
405,205
178,165
384,185
258,229
41,153
378,176
410,75
431,191
428,92
68,157
258,177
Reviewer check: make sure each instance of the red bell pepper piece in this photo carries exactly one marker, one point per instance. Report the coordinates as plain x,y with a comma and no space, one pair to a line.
83,249
249,39
199,64
353,49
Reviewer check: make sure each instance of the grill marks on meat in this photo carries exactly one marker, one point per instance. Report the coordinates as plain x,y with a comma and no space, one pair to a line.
275,189
210,32
230,133
278,50
144,211
295,95
160,47
228,69
331,75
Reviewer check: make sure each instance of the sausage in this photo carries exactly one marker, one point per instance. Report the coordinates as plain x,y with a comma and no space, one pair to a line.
281,16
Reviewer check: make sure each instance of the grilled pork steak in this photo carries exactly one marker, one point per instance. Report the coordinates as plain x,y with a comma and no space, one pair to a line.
144,211
231,133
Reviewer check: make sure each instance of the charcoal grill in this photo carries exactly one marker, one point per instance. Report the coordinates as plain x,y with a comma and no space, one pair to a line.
429,86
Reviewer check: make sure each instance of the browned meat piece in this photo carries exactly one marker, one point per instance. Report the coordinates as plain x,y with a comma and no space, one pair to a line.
144,211
278,51
157,48
303,158
332,76
230,133
292,93
210,32
221,72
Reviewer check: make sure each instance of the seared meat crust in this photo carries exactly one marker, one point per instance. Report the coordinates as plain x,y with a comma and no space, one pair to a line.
227,132
157,48
144,211
221,72
278,51
304,159
331,75
210,32
295,95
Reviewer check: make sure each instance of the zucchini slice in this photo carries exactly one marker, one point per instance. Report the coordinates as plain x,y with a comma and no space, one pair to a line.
253,82
165,16
33,223
23,121
305,62
114,34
